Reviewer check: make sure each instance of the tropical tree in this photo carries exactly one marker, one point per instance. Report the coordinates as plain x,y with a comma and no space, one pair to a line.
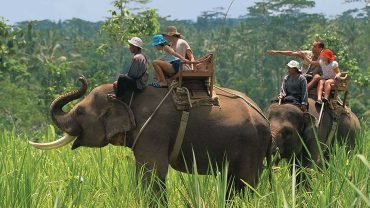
123,24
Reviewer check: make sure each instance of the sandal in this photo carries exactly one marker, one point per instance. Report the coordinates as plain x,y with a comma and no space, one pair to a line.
318,102
157,85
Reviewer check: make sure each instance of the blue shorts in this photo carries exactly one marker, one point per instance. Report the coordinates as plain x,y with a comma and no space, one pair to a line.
176,65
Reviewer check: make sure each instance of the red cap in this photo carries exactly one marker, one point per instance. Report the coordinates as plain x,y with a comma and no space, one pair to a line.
327,53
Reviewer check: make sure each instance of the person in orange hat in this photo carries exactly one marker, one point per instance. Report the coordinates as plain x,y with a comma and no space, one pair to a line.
330,72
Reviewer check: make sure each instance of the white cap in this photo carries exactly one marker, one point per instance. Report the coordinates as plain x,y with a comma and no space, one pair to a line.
136,42
294,64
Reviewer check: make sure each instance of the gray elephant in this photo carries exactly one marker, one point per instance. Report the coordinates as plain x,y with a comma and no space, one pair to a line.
233,130
295,132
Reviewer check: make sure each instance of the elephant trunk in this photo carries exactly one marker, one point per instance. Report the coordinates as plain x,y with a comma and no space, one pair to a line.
274,147
64,120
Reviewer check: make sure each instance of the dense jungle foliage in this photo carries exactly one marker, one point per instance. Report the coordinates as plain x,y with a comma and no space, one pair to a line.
40,60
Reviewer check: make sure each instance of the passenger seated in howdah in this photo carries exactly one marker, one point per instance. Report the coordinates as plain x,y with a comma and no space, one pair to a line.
294,87
169,63
310,71
330,69
137,76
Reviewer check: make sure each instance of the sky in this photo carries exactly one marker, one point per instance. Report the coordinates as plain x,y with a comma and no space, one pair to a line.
96,10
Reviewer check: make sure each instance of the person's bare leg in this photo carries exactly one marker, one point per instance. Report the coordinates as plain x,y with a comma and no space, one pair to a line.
155,73
328,88
159,73
313,82
320,87
166,67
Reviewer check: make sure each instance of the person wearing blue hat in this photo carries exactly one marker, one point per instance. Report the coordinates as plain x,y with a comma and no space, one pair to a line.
169,64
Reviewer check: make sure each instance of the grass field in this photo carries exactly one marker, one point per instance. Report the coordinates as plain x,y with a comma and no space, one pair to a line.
106,178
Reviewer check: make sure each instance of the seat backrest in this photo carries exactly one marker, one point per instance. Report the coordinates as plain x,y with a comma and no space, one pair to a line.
342,82
206,63
203,70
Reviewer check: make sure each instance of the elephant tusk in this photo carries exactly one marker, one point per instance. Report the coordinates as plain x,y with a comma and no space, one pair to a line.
55,144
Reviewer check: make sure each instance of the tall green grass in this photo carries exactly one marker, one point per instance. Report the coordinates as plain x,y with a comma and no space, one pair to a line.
106,177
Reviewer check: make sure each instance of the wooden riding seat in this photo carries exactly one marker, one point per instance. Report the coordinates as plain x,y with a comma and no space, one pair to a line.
340,85
200,79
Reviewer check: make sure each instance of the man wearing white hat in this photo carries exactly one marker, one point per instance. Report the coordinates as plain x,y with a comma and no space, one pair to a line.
294,86
137,76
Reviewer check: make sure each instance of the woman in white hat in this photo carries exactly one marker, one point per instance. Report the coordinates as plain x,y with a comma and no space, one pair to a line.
137,76
294,86
178,43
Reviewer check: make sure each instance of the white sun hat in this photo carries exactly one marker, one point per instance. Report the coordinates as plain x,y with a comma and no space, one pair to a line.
136,42
294,64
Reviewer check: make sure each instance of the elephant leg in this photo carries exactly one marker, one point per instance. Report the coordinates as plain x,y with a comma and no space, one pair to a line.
312,152
298,170
155,180
247,172
309,158
230,189
153,169
234,185
304,170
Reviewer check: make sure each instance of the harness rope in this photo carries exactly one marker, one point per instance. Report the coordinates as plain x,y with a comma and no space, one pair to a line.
151,116
188,95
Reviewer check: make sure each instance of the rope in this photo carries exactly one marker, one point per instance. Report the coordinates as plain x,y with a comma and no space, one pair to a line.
151,116
184,90
320,115
245,100
132,96
129,106
188,95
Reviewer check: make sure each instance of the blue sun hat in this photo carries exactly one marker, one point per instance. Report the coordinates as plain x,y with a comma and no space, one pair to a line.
158,39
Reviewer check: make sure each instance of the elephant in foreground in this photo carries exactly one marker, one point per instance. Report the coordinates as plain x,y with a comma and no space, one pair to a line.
234,130
296,133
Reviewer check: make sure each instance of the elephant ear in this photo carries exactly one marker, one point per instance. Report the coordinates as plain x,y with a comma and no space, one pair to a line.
118,118
309,120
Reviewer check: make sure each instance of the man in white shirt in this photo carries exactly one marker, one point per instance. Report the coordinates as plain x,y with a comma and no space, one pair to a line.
178,44
311,72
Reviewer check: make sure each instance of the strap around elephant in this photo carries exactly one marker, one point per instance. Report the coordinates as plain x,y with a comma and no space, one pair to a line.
180,136
332,133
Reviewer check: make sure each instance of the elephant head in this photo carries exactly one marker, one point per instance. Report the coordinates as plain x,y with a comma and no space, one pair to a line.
93,122
289,127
